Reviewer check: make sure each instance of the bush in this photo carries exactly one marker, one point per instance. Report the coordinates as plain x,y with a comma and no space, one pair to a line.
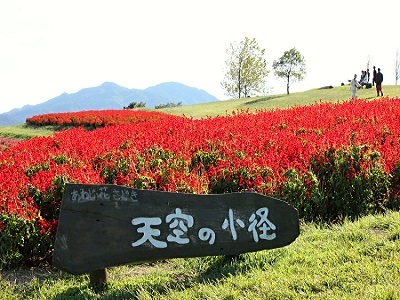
393,201
343,183
134,105
23,242
170,104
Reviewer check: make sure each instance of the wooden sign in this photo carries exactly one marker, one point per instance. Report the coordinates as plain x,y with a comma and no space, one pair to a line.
108,225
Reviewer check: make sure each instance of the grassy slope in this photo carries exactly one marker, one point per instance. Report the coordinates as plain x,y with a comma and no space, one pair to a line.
23,131
359,260
221,108
356,260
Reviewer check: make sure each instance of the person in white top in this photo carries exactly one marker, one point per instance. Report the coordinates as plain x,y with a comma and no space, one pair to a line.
353,86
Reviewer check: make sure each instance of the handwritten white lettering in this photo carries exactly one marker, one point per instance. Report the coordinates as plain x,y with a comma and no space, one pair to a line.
180,224
207,234
148,232
261,224
104,194
231,224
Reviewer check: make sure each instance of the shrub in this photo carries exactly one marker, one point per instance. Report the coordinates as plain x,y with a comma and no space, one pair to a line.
170,104
23,241
134,105
343,183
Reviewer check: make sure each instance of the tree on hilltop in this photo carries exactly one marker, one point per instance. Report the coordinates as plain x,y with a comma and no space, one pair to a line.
246,69
291,67
134,105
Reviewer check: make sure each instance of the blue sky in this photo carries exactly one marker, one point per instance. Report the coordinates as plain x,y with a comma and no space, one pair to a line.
49,47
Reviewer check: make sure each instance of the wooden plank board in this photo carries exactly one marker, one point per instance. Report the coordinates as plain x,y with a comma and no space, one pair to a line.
108,225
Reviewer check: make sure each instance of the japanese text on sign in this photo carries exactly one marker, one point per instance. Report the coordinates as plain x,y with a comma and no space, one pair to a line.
103,194
180,224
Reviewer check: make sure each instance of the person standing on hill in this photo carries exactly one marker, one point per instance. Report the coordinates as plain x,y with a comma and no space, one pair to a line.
354,85
378,81
373,76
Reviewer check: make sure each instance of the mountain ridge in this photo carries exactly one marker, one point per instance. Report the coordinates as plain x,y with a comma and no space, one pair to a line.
109,95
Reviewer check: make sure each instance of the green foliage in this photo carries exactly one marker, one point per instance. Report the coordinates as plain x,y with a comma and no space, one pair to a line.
28,242
111,167
22,241
30,171
343,183
302,191
246,69
167,167
205,159
393,201
170,104
134,105
291,67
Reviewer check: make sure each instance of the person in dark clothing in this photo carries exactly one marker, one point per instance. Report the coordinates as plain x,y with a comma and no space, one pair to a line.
373,76
378,81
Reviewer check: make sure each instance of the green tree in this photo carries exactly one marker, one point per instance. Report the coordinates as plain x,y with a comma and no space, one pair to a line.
134,105
291,67
246,69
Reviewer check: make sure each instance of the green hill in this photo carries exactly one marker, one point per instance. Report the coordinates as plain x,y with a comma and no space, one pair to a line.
109,96
221,108
337,93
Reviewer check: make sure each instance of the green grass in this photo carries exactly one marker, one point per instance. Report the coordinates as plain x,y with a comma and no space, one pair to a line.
24,131
355,260
221,108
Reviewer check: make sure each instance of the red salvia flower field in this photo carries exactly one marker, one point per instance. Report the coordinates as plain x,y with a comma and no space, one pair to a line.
302,155
94,118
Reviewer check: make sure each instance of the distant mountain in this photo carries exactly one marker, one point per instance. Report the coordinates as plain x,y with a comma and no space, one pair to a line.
109,96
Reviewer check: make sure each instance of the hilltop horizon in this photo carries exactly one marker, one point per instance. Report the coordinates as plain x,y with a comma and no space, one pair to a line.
109,95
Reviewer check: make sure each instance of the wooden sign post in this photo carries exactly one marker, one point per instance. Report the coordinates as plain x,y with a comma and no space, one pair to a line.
108,225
